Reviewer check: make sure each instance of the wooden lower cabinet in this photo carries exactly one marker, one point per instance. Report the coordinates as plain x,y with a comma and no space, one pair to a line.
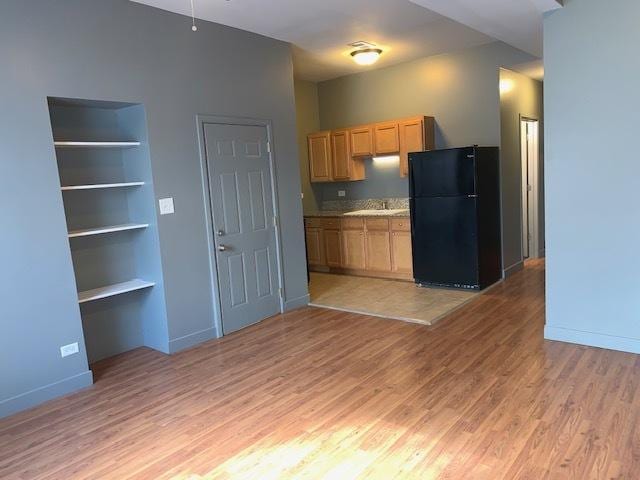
333,248
378,251
371,246
315,246
353,249
401,256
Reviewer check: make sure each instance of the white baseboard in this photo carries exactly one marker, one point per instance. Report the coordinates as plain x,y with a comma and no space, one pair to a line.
592,339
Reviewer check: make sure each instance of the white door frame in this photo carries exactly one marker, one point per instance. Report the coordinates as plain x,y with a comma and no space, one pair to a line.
201,121
534,181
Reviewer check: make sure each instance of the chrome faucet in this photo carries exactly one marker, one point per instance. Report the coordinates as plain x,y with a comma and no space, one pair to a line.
385,205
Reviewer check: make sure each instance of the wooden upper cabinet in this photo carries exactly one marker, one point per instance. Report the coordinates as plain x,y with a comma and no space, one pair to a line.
341,154
387,138
320,164
416,135
362,141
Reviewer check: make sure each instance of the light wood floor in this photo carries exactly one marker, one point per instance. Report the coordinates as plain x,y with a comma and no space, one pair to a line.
385,298
326,394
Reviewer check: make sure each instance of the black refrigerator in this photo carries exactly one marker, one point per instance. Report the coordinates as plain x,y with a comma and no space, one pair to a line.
454,197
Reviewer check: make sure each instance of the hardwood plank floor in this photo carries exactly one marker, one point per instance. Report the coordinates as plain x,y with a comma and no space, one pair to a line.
327,394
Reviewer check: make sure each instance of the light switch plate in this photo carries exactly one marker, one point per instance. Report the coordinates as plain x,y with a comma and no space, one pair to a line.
341,193
166,206
70,349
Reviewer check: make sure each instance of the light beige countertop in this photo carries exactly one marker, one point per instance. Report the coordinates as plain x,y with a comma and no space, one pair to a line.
359,213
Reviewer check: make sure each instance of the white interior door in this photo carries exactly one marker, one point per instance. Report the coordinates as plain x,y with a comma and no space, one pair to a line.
529,151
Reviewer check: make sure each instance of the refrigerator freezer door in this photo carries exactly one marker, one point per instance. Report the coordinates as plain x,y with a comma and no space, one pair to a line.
445,242
439,173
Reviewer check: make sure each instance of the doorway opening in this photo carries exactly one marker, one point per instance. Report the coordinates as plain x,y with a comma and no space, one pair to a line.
531,180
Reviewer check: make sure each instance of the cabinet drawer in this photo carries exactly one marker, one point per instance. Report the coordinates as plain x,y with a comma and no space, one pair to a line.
352,224
332,223
377,224
313,222
400,224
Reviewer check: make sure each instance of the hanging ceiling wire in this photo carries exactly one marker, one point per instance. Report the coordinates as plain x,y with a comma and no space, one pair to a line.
193,18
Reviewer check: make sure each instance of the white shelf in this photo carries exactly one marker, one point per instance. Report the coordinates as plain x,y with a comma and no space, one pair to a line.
85,232
101,185
96,144
112,290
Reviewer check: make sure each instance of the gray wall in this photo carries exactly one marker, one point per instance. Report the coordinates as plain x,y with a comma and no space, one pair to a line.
459,89
522,97
307,121
117,50
593,173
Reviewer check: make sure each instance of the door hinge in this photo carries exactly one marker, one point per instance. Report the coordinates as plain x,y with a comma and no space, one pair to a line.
281,292
268,147
275,221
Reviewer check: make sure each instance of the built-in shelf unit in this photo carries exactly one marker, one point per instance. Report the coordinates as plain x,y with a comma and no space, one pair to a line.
61,144
107,190
86,232
99,186
112,290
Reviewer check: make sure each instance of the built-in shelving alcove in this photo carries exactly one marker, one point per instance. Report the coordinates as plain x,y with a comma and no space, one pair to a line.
106,185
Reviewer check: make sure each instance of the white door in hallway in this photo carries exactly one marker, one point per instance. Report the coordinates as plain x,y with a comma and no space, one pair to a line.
529,151
241,193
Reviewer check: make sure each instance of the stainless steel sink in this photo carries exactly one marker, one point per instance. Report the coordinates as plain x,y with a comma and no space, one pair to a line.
376,213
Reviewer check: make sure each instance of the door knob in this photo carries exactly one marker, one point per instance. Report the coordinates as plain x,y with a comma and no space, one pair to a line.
222,248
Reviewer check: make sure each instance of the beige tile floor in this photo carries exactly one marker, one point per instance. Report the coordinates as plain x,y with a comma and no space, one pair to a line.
385,298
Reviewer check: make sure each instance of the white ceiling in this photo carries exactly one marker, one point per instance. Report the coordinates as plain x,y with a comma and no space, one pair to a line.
321,29
516,22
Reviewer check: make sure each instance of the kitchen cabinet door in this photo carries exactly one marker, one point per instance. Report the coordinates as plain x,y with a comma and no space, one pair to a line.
387,139
320,164
362,141
401,257
332,247
341,155
353,249
416,135
315,247
378,251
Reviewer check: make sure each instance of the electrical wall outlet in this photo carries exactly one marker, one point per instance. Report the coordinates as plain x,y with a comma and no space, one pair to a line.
70,349
166,206
342,193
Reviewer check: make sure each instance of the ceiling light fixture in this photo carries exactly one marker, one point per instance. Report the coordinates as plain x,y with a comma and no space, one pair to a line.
366,56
